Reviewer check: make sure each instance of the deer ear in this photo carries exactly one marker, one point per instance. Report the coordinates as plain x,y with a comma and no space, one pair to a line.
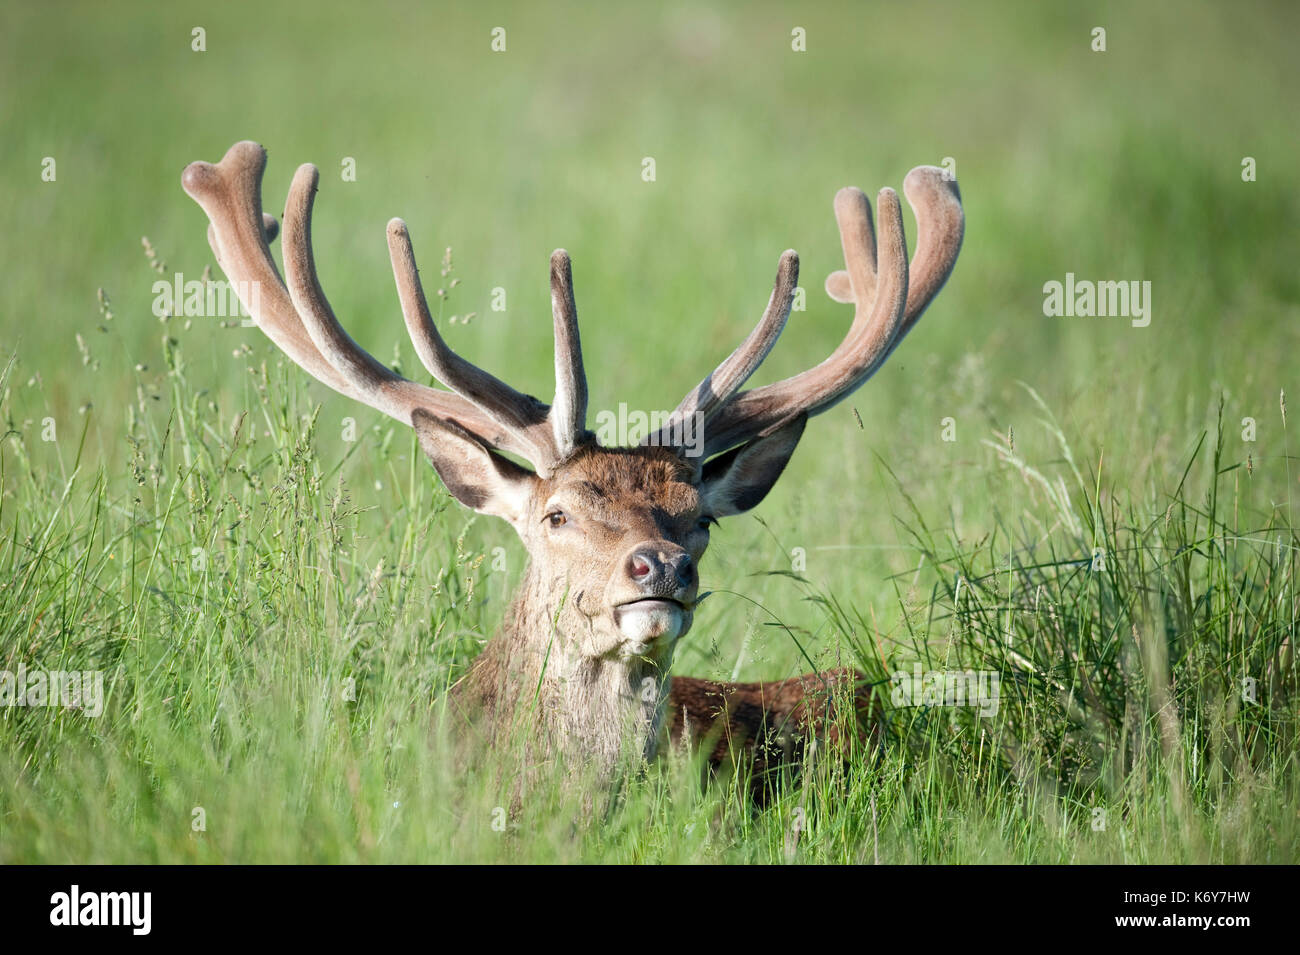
474,474
734,482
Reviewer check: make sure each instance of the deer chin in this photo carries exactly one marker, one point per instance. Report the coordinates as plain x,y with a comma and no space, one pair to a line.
650,624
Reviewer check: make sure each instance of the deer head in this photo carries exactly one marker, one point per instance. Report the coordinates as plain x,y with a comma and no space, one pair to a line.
615,534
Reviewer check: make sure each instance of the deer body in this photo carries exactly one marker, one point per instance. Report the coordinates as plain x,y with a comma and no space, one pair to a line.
615,535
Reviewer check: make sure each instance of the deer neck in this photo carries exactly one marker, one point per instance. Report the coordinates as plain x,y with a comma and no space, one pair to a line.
539,671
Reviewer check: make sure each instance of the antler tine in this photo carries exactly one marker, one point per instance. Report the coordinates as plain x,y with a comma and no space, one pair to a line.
940,226
230,192
352,361
875,324
716,390
514,411
879,325
270,229
936,202
712,394
858,240
569,410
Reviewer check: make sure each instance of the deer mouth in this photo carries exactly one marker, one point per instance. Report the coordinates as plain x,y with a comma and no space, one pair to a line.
650,603
651,618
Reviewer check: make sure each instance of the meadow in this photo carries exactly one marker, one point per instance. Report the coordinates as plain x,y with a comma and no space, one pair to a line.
278,590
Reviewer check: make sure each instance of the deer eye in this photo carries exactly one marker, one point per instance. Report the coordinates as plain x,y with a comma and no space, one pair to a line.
557,518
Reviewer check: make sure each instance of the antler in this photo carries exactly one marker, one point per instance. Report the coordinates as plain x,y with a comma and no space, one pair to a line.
299,320
889,301
711,395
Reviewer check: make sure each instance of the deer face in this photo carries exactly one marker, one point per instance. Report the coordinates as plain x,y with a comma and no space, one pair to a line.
615,534
622,533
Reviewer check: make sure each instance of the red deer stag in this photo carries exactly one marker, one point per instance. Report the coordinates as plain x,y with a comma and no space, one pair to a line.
615,535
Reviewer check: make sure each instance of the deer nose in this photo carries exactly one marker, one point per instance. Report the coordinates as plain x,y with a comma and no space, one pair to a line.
660,573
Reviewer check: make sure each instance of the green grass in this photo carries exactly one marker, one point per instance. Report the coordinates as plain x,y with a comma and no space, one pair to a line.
1099,532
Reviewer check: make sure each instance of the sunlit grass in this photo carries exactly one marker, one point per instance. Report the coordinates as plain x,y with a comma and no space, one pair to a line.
279,591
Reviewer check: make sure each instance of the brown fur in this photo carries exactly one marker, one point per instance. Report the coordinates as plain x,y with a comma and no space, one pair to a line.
765,728
555,665
555,660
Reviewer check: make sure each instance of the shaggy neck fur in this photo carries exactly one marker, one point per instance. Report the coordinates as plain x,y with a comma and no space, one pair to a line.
589,709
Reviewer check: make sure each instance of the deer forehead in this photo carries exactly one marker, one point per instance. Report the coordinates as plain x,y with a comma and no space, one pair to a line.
623,480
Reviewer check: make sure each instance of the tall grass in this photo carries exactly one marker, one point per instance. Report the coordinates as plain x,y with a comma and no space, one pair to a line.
1146,657
275,679
279,590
